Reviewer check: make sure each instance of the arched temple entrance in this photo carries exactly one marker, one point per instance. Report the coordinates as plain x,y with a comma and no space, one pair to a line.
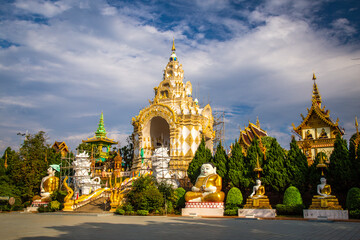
160,132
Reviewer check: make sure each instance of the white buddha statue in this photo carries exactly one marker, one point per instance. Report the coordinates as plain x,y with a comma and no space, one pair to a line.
258,190
324,189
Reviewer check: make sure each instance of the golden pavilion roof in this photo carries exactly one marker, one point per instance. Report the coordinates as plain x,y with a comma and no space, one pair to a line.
321,112
100,134
251,132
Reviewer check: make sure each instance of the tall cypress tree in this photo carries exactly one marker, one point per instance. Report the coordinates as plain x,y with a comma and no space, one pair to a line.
314,174
297,166
339,171
253,153
274,173
220,160
354,157
202,155
237,171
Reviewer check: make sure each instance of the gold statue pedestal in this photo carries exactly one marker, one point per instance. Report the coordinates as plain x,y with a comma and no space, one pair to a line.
325,208
257,207
203,209
258,202
325,203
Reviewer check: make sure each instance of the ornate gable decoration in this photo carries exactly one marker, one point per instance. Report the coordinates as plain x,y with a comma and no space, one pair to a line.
315,113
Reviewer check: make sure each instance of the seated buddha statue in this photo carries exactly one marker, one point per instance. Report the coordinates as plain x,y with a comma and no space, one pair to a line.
324,189
207,187
258,190
323,134
49,184
308,135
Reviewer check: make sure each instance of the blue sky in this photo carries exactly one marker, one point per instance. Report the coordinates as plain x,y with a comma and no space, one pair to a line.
63,62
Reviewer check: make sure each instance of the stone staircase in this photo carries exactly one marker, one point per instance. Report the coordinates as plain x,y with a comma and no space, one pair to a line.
96,206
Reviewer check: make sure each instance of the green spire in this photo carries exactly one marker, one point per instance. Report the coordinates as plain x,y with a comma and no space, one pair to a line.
101,132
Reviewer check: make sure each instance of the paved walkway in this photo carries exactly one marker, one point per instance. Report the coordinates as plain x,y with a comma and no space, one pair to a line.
82,226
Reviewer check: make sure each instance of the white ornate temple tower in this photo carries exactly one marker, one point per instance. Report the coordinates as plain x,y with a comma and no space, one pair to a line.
173,120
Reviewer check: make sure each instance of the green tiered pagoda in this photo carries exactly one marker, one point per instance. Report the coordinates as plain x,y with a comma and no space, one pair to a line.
100,141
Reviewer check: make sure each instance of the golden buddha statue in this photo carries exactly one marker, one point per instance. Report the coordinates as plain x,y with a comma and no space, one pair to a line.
323,134
309,135
258,190
49,184
324,200
323,189
207,187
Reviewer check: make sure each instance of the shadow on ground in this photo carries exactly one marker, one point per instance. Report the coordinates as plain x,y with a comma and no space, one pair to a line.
188,228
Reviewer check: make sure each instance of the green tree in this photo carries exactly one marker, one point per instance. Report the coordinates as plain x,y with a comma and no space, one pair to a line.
30,165
253,154
339,170
297,166
127,152
87,148
274,173
314,173
202,155
354,157
144,195
237,172
220,160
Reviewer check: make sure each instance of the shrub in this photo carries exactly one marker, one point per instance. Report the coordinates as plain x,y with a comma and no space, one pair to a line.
292,197
142,212
145,195
54,206
44,208
127,207
354,213
231,212
130,213
59,196
234,198
353,199
120,211
283,209
180,198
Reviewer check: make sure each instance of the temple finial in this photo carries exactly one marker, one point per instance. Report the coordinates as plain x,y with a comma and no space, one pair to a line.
356,125
316,95
257,122
173,46
101,132
5,164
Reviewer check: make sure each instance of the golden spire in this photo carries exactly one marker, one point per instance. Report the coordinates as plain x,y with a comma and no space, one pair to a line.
173,46
257,122
258,168
356,125
6,165
316,95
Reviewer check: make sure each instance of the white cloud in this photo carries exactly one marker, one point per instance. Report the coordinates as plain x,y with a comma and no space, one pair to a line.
93,57
43,7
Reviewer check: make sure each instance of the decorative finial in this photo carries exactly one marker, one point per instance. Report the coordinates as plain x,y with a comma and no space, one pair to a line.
173,46
5,164
321,163
356,125
316,95
101,132
257,122
257,168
